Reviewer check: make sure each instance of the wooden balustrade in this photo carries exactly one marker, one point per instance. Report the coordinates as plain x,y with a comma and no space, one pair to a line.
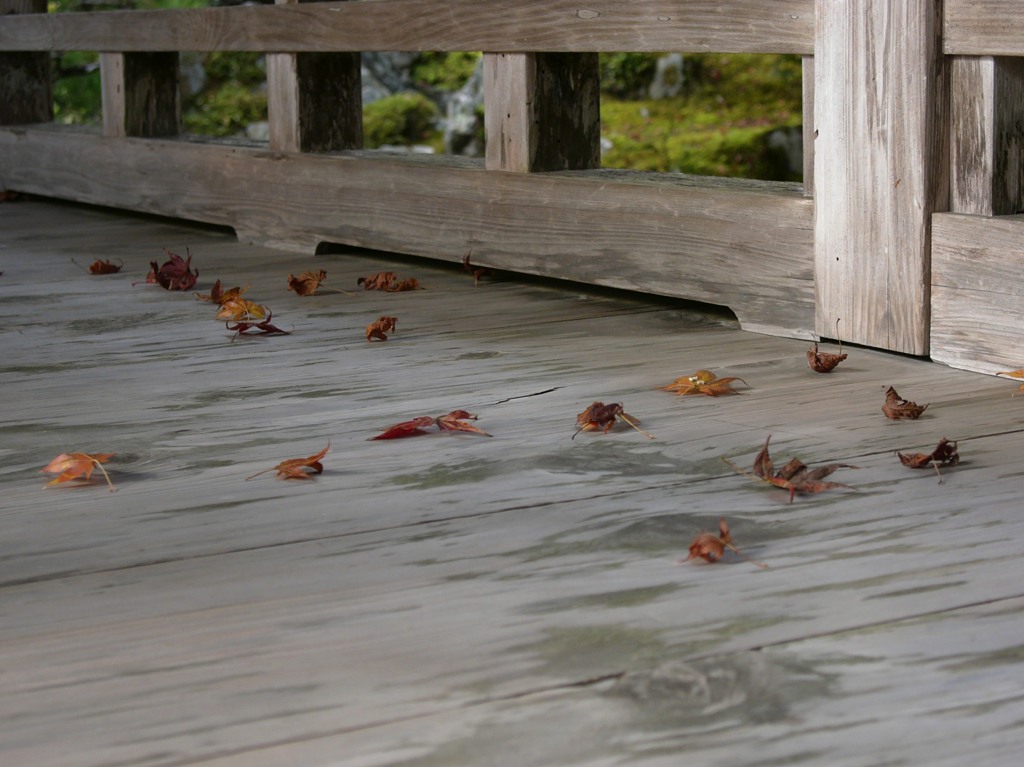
893,135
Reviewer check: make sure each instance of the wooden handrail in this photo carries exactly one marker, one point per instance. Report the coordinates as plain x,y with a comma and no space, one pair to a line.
748,26
983,27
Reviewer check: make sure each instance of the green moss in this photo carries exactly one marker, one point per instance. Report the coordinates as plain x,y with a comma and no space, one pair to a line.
404,118
233,97
717,126
443,71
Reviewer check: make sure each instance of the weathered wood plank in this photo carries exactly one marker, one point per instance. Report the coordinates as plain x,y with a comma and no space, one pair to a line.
880,168
542,111
753,26
977,293
141,94
983,28
746,245
195,617
314,100
26,93
987,124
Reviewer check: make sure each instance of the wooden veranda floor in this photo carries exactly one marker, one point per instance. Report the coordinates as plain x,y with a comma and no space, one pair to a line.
459,600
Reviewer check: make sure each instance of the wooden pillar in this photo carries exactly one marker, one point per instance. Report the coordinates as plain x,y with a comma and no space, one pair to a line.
314,100
880,167
140,94
809,134
542,111
26,91
987,126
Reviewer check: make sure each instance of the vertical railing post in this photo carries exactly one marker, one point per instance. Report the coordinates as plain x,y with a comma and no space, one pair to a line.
314,100
809,134
26,91
542,111
881,167
140,94
987,143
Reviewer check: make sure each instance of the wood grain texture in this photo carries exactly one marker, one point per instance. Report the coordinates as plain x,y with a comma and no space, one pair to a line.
542,111
977,293
752,26
26,93
746,245
987,123
140,94
881,147
983,28
447,599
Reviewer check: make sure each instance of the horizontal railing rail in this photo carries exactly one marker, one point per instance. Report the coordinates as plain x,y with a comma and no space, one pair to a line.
742,26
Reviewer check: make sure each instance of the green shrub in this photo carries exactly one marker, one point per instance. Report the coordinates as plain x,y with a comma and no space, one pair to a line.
443,71
627,75
404,118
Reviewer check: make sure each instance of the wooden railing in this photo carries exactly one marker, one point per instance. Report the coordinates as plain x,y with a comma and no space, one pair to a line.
854,242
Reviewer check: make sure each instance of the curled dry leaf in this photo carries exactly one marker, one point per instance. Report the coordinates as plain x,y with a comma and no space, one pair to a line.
703,382
380,328
77,466
238,309
175,273
711,547
825,362
944,454
1018,374
896,407
601,417
457,420
478,272
307,282
100,267
298,468
795,476
389,282
258,327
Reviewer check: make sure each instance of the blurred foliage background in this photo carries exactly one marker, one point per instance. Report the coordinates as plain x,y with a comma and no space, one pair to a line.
714,114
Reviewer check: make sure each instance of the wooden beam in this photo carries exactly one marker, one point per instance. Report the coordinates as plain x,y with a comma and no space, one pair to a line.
543,111
314,100
977,292
140,94
880,167
983,28
987,147
809,134
743,244
26,92
517,26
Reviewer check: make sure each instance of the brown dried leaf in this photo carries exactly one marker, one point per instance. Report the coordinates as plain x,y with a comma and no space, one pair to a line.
711,547
388,282
307,282
1018,374
100,267
380,328
262,327
599,416
944,454
453,421
77,466
238,309
703,382
457,421
795,476
825,362
298,468
175,273
478,272
896,407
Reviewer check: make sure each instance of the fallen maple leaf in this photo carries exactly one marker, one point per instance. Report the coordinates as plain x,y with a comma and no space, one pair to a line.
307,282
711,547
896,407
477,271
703,382
1018,374
100,267
298,468
825,362
262,327
795,476
219,296
379,329
944,454
175,273
389,282
236,308
77,466
453,421
601,416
